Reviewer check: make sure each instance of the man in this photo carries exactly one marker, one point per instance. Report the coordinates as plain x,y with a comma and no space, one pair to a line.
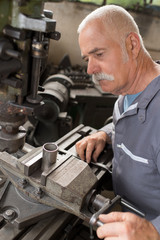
111,44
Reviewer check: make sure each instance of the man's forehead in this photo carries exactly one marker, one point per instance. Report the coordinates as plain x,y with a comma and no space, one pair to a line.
95,25
96,31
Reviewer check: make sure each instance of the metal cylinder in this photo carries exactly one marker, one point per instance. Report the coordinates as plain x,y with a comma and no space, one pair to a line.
49,155
99,202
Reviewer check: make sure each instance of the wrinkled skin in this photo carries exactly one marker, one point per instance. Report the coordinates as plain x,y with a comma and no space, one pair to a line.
126,226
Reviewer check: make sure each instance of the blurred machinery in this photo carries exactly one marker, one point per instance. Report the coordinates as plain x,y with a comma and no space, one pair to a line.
45,191
71,98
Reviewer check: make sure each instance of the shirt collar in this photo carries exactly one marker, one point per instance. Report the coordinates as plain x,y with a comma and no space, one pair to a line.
149,93
142,100
146,96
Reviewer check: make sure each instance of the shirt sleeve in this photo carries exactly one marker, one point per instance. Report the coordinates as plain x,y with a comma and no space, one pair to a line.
156,223
107,129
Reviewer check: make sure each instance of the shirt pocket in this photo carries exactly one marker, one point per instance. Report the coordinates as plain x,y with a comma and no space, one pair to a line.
132,156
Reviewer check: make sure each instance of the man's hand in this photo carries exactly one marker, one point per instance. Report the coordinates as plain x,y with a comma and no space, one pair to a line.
91,146
126,226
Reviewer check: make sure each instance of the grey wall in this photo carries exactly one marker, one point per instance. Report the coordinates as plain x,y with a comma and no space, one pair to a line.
68,15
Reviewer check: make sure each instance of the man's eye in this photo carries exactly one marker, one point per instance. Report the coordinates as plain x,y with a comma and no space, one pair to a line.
99,54
85,59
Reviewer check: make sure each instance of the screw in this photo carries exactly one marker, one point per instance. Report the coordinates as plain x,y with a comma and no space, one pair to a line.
39,193
91,232
23,182
9,213
9,128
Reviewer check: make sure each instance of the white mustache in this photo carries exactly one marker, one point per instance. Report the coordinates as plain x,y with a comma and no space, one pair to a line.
101,76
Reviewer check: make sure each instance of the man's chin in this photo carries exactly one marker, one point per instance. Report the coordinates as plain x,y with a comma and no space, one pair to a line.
105,87
104,83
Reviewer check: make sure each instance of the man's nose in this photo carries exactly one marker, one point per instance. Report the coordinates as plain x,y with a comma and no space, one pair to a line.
92,67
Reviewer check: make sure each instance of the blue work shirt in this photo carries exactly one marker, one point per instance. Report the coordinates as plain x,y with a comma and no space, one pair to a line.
135,136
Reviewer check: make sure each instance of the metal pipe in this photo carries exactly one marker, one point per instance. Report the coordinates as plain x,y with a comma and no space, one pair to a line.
49,155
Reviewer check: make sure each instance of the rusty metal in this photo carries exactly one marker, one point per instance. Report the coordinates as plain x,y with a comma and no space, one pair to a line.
61,186
10,141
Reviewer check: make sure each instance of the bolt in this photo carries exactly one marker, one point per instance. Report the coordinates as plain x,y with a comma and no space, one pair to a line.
23,182
39,193
9,128
9,213
2,180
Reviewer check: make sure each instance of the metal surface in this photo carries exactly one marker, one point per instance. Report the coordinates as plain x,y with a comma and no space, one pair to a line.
48,193
61,185
24,43
15,207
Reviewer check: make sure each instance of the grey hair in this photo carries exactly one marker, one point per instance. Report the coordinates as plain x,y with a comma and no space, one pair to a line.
115,18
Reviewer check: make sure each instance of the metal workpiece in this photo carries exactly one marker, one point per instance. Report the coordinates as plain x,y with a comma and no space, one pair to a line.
49,155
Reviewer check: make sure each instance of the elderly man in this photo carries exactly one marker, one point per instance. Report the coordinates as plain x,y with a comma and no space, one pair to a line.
112,46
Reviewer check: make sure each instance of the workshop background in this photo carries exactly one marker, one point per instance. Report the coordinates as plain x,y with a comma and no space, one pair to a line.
87,103
147,18
40,200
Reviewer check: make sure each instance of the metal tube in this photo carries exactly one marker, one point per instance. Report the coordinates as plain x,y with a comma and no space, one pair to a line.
49,155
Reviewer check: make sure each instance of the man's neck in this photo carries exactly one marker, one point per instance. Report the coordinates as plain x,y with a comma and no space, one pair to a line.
145,72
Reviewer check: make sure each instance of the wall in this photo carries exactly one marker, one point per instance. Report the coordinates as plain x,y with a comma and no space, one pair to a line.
68,15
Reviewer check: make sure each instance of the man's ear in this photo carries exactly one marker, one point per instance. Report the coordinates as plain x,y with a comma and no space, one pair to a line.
133,45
